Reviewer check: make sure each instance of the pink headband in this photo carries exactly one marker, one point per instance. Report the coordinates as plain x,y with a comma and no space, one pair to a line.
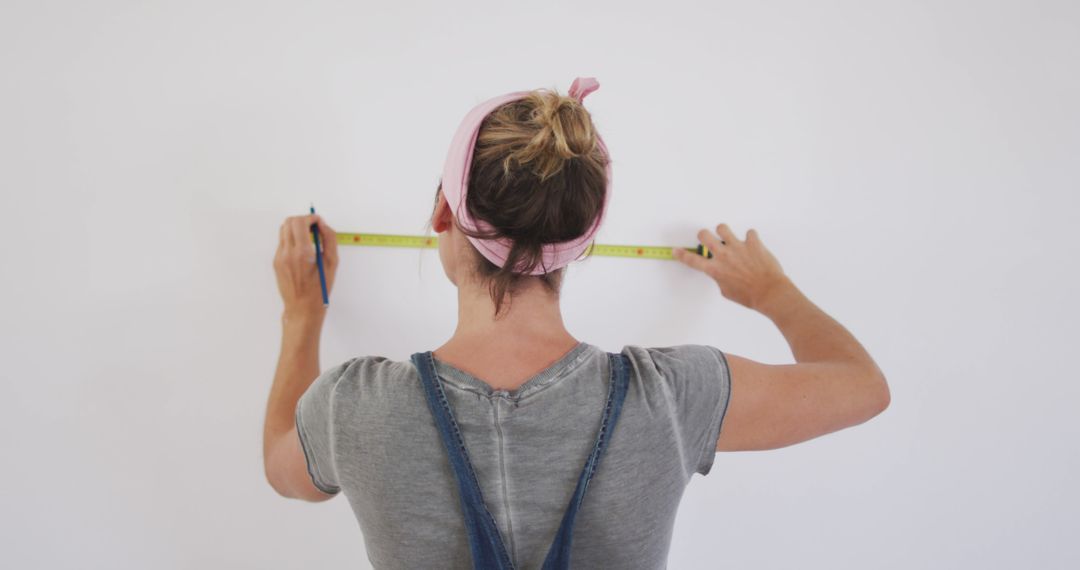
455,184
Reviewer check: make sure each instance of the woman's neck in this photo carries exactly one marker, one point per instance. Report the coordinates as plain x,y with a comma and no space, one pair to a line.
529,330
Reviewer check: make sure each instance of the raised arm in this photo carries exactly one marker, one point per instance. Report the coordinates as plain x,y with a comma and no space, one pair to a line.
298,362
833,385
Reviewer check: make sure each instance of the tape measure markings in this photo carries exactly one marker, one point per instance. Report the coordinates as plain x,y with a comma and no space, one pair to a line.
427,242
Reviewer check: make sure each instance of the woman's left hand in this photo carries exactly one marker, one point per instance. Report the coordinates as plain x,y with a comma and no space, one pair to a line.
294,265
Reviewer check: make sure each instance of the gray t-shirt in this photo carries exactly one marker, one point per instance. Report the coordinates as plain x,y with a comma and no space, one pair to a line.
366,430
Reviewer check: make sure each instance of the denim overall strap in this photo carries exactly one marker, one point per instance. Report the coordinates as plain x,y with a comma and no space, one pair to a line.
485,542
488,551
558,556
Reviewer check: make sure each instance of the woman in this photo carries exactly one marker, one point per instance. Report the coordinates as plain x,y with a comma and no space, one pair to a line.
514,441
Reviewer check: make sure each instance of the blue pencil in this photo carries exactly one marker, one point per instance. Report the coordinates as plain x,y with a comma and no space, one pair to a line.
318,260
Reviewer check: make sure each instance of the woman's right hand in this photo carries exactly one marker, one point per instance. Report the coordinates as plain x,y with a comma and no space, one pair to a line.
745,271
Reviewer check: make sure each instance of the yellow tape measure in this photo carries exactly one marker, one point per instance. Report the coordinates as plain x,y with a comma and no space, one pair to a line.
639,251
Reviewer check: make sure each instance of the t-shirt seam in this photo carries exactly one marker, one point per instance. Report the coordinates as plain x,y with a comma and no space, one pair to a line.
313,468
718,415
316,469
558,375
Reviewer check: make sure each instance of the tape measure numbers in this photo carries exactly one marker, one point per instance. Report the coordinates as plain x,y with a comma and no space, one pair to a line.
425,242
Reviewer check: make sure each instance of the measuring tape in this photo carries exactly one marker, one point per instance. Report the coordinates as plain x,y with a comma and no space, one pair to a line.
425,242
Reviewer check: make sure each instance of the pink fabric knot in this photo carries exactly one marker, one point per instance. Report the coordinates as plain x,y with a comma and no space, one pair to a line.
582,86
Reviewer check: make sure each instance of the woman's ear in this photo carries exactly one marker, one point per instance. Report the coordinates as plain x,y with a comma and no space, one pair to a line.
441,219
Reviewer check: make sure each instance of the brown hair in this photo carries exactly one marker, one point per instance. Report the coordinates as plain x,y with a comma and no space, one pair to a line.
538,177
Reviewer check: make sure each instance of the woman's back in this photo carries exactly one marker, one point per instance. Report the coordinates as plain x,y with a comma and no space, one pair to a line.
527,446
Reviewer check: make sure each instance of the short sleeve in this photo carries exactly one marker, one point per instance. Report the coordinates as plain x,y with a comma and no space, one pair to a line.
315,426
700,381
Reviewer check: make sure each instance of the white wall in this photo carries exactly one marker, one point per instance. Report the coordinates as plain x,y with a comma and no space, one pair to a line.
913,165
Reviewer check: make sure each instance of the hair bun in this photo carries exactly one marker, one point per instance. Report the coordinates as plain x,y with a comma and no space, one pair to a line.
562,130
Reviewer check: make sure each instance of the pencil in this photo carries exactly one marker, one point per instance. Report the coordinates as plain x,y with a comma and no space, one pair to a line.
318,260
